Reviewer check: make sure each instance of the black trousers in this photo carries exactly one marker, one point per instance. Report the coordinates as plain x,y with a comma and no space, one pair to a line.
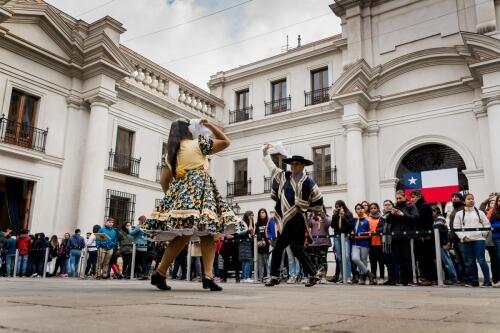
401,250
294,235
425,255
230,255
377,257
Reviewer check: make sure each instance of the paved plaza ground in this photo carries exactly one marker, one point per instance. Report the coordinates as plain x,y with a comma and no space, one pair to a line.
65,305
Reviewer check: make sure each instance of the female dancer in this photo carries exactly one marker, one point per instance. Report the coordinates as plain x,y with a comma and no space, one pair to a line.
192,204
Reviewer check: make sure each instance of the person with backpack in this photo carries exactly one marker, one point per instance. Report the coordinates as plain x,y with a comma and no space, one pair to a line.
474,242
75,244
440,224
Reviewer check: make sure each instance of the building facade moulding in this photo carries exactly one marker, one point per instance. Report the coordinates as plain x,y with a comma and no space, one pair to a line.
400,153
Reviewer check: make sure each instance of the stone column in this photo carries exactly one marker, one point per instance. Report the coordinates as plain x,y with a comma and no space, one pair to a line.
372,168
356,187
387,189
94,162
493,110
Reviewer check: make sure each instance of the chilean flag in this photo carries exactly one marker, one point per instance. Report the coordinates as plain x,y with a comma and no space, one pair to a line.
436,185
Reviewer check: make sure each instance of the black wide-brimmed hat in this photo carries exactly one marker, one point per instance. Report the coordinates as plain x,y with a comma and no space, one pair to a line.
297,158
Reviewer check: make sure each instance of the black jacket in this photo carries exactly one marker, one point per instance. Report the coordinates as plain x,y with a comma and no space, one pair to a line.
406,223
425,221
347,223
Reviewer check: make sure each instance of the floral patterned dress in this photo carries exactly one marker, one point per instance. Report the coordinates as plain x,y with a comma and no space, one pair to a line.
192,205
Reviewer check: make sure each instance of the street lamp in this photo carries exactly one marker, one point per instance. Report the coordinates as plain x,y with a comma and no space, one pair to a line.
236,209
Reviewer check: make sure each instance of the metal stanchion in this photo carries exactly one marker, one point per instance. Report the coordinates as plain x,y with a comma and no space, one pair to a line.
132,264
16,259
255,264
413,265
439,263
188,266
46,260
344,262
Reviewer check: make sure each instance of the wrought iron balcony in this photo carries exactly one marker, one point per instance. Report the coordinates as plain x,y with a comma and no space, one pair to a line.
268,182
324,177
124,164
317,96
22,134
241,188
278,106
236,116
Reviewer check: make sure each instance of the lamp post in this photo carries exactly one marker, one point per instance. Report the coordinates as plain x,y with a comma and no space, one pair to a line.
236,208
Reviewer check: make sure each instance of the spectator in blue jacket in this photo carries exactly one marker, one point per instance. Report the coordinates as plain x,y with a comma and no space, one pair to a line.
361,245
76,244
11,254
105,248
495,224
141,249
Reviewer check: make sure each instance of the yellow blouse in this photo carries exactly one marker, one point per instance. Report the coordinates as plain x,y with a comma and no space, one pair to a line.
192,155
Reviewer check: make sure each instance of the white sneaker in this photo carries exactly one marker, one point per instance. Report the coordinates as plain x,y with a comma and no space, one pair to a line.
496,285
291,280
34,275
248,280
322,281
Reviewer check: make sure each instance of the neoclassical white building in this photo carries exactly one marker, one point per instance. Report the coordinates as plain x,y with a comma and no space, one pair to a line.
84,120
408,85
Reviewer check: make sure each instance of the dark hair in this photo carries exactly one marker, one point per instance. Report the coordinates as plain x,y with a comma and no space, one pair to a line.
496,209
363,203
342,204
389,201
375,204
416,193
436,210
124,228
401,192
96,228
179,130
246,216
358,205
258,215
77,231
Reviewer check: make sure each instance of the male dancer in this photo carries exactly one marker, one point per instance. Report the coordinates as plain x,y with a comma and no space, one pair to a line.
294,193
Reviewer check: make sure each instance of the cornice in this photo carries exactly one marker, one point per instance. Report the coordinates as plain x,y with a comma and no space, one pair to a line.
337,43
130,180
286,120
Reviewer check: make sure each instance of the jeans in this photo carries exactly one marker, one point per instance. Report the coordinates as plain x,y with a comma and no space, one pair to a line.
448,265
496,241
22,265
338,249
74,259
180,263
246,267
293,263
360,257
262,260
475,251
9,262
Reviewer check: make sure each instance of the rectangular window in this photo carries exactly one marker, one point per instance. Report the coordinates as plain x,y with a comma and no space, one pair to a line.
319,79
242,99
278,90
120,206
21,119
322,171
240,177
122,161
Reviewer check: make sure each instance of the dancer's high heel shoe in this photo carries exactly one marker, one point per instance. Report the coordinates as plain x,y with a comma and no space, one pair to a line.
208,283
159,281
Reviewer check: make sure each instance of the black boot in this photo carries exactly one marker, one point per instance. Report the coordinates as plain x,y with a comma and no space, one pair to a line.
371,278
362,279
159,281
273,281
312,281
208,283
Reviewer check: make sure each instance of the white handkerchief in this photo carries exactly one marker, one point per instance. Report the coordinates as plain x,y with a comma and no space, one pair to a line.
197,129
279,148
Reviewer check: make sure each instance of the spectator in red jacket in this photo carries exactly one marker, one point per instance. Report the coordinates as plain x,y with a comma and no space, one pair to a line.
23,246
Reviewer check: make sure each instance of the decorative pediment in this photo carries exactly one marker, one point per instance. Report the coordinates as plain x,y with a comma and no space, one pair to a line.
61,41
356,77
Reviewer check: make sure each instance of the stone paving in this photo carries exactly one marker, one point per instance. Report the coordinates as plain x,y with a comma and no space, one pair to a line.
65,305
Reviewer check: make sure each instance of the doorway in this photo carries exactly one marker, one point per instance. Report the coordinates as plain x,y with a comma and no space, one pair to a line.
15,202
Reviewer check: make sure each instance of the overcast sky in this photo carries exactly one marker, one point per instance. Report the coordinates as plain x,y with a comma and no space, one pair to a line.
188,49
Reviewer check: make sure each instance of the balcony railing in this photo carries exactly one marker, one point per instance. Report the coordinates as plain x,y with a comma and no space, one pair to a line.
22,134
317,96
159,170
236,116
324,177
278,106
124,164
241,188
268,183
